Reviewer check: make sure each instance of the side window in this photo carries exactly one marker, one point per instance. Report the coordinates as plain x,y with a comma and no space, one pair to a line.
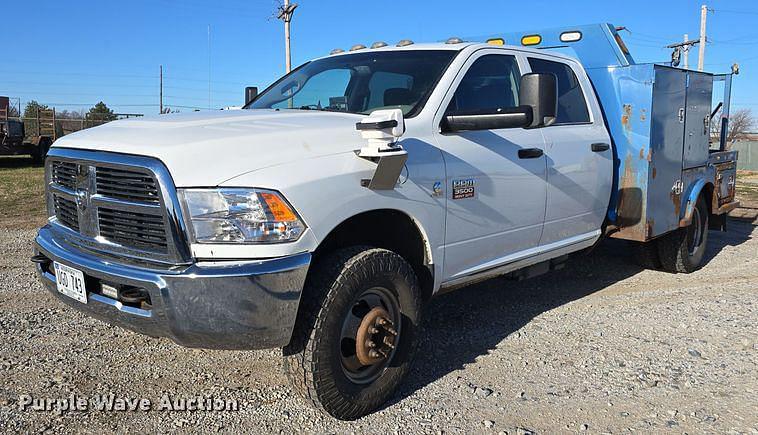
325,89
490,84
572,107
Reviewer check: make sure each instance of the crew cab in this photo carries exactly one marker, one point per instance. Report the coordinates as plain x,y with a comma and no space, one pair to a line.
323,216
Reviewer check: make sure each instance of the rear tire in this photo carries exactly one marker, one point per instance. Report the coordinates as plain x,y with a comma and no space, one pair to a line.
39,155
646,254
683,250
323,360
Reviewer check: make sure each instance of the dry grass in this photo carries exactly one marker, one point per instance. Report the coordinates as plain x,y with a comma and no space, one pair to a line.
747,188
22,203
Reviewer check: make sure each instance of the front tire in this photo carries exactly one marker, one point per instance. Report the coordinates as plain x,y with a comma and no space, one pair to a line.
356,331
683,250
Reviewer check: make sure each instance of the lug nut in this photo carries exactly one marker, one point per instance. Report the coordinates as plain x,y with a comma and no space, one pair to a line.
388,343
373,354
370,344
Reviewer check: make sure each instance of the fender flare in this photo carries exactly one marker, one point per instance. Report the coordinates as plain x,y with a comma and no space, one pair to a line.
685,219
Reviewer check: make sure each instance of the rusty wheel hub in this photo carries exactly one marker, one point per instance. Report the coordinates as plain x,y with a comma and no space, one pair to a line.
376,337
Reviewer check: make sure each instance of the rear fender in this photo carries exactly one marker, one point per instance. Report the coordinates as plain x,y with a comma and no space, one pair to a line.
686,216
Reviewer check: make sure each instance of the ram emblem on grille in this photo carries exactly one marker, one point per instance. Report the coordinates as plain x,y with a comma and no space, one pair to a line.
82,187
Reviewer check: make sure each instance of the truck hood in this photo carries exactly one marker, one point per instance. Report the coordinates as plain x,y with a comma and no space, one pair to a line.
208,148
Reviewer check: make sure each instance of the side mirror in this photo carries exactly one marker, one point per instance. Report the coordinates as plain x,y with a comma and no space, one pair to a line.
538,95
250,93
540,92
512,117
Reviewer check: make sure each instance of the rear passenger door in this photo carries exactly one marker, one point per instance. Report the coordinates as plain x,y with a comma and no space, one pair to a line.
579,156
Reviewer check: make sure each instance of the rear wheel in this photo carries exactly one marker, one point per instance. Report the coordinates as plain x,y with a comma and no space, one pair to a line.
646,254
39,154
356,331
683,250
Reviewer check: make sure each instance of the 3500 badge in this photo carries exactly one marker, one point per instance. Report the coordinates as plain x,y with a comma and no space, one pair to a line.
463,188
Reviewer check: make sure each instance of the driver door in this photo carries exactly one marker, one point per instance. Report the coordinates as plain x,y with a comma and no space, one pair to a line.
496,179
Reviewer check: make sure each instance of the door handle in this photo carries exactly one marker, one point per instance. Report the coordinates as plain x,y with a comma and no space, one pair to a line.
530,153
600,146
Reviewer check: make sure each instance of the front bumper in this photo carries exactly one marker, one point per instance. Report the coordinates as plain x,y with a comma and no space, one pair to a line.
215,305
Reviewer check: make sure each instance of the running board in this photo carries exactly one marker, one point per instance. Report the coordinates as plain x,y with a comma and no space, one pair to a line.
553,257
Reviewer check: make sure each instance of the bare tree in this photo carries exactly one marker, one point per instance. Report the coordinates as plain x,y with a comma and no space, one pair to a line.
741,122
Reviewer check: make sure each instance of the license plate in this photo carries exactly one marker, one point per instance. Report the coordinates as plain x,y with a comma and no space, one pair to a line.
70,282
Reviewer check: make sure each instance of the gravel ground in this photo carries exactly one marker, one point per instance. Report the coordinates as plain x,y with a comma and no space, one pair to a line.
601,346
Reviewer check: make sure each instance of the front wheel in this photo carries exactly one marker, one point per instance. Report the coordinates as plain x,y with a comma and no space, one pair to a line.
356,331
683,250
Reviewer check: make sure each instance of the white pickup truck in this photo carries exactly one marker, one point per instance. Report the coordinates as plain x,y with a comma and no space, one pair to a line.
323,216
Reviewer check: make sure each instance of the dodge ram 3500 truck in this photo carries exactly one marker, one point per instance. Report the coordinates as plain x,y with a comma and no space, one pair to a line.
323,216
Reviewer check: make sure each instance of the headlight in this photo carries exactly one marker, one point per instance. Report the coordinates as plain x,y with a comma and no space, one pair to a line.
239,216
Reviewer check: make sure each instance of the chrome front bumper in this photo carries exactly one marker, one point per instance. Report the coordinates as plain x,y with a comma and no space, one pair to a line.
218,305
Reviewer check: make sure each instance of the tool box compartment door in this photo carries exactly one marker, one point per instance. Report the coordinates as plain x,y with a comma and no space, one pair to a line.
665,155
697,119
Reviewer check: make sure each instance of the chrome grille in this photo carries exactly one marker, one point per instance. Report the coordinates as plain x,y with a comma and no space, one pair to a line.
119,205
65,212
128,185
136,230
64,174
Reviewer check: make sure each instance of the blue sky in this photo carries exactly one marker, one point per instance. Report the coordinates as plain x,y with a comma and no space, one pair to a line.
73,54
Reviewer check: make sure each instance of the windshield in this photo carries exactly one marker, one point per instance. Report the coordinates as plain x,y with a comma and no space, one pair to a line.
360,82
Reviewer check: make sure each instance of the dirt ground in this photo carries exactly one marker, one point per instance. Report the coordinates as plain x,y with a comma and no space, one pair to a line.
599,347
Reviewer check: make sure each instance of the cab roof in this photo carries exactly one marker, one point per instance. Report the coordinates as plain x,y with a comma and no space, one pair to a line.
430,46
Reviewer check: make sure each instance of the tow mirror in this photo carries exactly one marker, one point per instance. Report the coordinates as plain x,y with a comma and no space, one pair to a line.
494,119
540,92
538,95
250,93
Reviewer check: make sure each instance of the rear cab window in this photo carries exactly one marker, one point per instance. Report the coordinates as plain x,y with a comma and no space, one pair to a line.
572,106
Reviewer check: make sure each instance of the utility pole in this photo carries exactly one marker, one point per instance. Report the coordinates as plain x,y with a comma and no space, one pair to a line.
161,103
285,14
686,50
682,47
209,67
701,48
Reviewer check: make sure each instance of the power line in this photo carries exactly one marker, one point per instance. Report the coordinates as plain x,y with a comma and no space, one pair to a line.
733,11
142,76
95,94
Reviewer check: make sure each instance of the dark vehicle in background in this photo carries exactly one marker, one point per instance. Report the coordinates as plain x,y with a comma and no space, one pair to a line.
15,139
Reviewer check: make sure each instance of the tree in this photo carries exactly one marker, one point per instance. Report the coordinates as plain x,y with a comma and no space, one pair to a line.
741,122
30,111
101,112
30,116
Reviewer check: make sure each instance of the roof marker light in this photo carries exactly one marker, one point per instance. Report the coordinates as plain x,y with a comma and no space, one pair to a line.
357,47
454,40
531,39
378,44
337,51
496,41
571,36
404,42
